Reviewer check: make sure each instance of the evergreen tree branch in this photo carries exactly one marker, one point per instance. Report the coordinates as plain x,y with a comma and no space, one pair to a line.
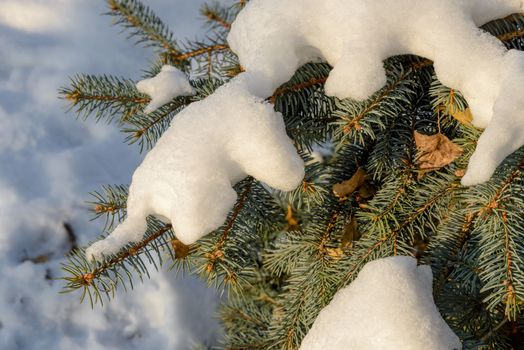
143,24
104,96
97,278
111,202
457,246
200,51
217,252
299,86
147,129
217,15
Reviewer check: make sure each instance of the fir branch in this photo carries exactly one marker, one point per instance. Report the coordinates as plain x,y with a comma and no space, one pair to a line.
400,190
502,219
143,24
482,219
111,202
199,51
358,121
146,129
293,88
126,253
352,122
422,210
95,278
457,246
350,275
217,253
107,97
217,15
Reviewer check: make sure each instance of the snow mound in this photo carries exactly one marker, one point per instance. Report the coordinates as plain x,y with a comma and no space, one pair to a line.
355,36
165,86
505,134
389,306
187,178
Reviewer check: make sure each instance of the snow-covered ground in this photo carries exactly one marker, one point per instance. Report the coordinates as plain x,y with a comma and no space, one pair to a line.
49,161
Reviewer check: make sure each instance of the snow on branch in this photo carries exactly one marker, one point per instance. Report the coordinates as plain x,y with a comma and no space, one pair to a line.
388,306
356,36
212,144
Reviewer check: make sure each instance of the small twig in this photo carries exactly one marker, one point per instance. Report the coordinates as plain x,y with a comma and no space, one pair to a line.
491,332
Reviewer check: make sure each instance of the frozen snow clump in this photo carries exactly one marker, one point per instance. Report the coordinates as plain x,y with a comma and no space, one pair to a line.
165,86
388,306
187,178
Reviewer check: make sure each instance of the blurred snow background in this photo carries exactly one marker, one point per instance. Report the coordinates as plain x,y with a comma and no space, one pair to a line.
49,161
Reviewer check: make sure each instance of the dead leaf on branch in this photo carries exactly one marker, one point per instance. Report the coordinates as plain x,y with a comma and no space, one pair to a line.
367,190
292,222
351,233
464,117
335,253
181,250
435,151
460,172
347,187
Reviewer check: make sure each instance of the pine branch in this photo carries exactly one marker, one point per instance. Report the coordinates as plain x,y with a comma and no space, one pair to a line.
111,202
146,129
282,274
218,16
217,252
143,25
200,50
105,97
97,279
456,247
295,87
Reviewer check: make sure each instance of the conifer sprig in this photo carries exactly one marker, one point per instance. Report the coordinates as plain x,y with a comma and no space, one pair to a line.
143,25
100,280
103,97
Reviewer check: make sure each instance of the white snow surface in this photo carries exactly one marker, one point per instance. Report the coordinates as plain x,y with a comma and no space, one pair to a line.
275,37
187,178
49,161
169,83
389,306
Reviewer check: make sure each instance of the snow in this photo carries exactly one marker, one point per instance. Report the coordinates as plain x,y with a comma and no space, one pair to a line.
169,83
505,133
187,178
214,143
388,306
355,36
49,161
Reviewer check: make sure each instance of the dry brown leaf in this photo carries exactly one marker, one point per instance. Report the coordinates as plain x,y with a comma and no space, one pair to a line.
367,190
347,187
40,259
351,233
435,151
335,253
465,116
292,223
420,245
181,250
460,172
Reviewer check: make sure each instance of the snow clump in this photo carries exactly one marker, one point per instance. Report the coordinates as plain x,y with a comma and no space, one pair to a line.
388,306
165,86
187,178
